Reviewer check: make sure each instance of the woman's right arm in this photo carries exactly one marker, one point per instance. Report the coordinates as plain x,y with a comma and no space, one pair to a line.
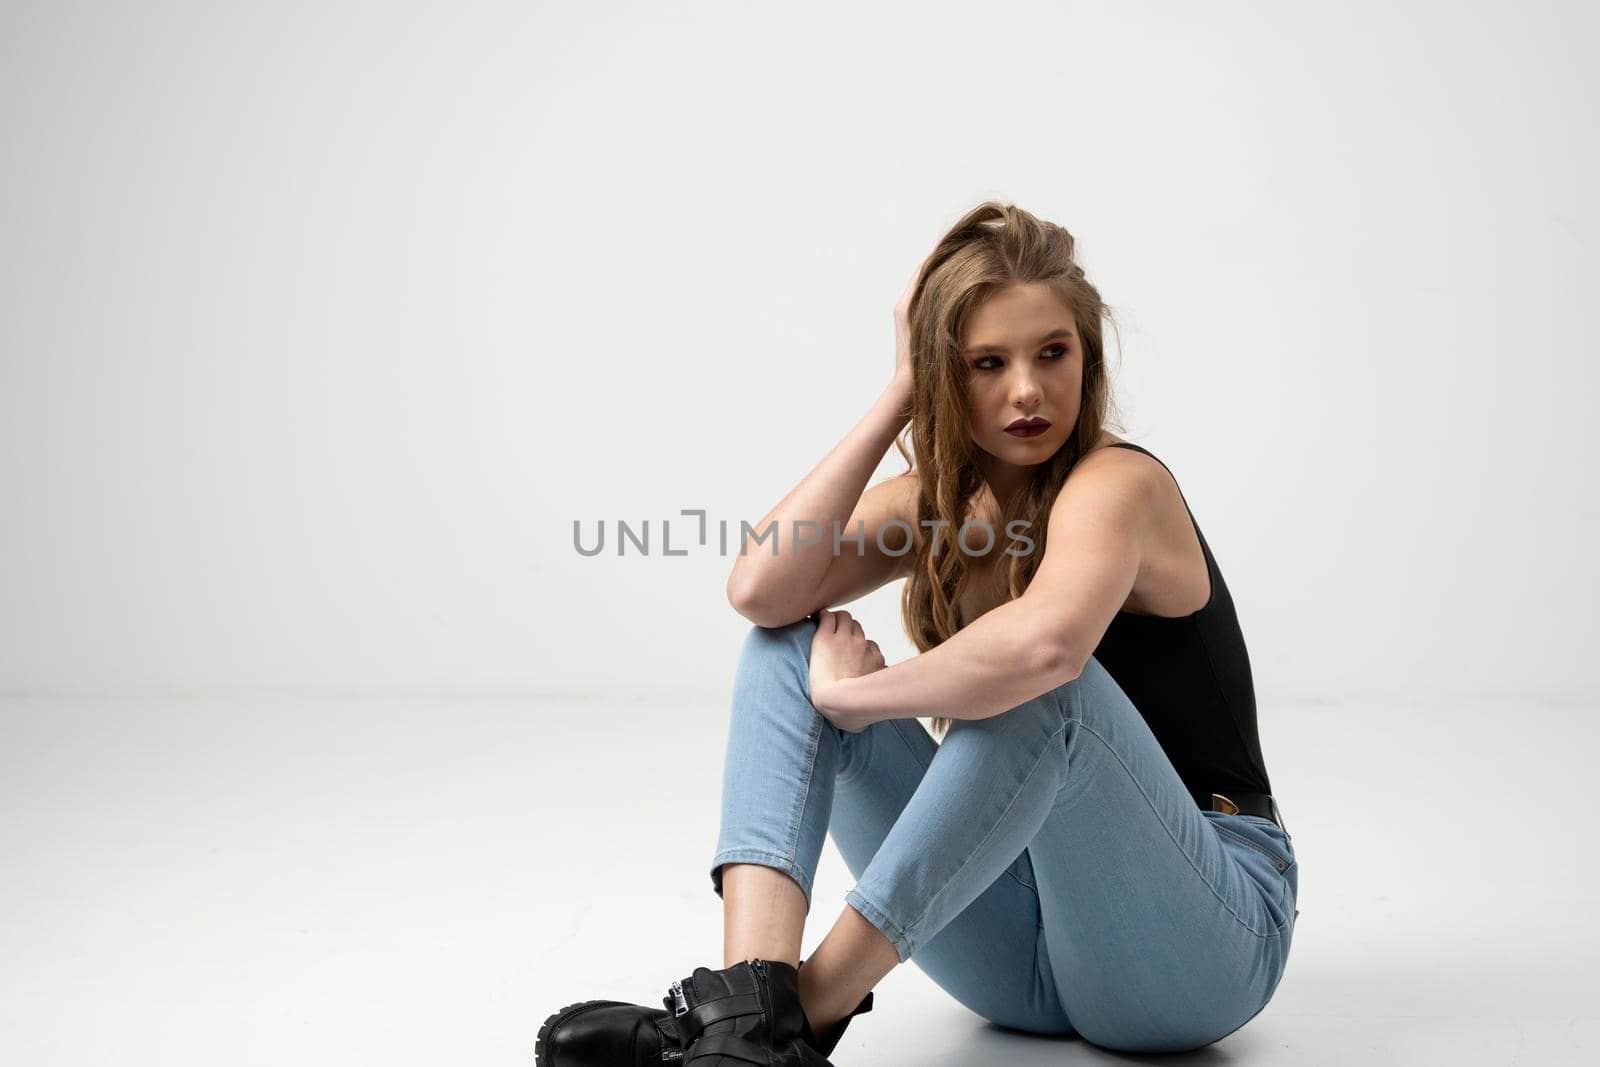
775,590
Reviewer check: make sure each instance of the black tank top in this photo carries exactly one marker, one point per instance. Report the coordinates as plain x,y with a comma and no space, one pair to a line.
1189,676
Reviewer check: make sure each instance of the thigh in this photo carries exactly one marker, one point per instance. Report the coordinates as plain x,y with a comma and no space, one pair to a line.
992,957
1163,933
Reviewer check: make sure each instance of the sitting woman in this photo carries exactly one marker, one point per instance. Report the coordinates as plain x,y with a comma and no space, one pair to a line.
1093,848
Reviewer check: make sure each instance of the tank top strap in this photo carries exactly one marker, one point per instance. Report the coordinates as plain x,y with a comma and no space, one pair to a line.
1205,548
1152,455
1141,448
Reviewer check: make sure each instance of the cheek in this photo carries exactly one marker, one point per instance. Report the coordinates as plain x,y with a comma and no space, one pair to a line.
981,396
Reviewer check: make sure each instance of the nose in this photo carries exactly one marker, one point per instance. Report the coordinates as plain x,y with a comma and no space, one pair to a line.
1024,390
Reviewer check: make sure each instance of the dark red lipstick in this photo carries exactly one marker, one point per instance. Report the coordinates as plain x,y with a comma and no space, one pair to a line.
1028,427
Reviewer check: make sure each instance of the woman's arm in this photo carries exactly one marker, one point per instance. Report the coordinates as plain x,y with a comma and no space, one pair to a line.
768,588
1000,659
1098,530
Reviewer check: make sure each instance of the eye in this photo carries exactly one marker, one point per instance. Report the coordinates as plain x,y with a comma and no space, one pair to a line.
1061,350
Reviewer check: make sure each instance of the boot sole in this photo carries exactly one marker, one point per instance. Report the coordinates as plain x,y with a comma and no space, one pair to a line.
557,1019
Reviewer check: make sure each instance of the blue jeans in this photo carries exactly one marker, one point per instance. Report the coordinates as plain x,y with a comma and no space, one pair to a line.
1045,866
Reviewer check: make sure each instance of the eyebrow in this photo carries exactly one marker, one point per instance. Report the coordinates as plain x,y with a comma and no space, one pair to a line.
1051,336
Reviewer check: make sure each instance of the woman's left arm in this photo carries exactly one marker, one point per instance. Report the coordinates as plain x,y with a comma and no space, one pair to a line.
1098,528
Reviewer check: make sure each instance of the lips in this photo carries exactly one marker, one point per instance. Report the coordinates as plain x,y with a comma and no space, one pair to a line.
1033,425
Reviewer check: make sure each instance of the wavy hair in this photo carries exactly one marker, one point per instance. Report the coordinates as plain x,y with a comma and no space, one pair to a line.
992,247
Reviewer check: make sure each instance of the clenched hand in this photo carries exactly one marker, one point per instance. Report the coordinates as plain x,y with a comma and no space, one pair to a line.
840,649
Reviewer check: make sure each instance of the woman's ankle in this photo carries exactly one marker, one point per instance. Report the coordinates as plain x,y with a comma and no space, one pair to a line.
821,1016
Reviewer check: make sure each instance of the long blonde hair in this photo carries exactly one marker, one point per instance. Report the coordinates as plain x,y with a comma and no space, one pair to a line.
993,246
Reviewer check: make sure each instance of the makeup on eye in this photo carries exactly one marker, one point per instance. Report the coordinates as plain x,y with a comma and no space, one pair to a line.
978,365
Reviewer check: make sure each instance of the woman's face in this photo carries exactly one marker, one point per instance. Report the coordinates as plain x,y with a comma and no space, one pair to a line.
1025,360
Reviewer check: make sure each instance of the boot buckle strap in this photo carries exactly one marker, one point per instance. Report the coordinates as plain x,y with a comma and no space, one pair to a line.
703,1015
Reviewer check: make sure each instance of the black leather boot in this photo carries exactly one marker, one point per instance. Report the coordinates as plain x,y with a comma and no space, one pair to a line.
607,1033
613,1033
828,1040
750,1014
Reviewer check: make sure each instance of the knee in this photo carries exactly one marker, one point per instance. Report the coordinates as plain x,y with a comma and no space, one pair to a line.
791,642
778,656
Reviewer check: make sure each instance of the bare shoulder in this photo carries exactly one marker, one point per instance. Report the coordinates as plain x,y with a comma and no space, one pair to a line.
903,489
1117,471
1135,491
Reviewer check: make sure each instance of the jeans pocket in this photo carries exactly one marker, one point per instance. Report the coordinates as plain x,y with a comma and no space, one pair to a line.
1266,859
1277,837
1262,835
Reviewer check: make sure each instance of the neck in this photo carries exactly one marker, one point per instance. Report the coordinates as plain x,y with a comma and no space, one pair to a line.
1001,480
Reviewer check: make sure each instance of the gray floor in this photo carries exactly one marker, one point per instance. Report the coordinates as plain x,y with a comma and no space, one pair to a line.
402,882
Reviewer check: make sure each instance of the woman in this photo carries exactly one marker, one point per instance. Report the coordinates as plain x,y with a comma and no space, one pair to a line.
1094,847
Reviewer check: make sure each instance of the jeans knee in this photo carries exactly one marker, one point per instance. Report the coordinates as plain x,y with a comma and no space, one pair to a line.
776,660
791,642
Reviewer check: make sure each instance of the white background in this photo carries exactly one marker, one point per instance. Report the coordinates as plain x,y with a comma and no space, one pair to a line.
321,324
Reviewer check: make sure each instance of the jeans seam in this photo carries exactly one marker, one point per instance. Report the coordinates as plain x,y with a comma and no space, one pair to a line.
909,746
1275,933
809,761
798,815
1043,752
912,749
877,916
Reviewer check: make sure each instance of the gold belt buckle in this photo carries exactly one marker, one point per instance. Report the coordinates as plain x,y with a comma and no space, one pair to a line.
1223,804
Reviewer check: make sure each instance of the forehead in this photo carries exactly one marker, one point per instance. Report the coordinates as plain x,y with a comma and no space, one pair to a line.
1016,315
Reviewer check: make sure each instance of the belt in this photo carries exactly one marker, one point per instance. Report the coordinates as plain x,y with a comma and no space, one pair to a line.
1260,804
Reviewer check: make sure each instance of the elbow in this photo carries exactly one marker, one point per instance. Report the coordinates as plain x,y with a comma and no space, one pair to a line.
749,603
742,590
1050,652
1057,664
741,596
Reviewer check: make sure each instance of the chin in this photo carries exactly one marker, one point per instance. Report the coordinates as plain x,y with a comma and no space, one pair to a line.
1024,451
1045,444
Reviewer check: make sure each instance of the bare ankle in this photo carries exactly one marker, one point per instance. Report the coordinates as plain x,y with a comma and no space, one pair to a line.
764,913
